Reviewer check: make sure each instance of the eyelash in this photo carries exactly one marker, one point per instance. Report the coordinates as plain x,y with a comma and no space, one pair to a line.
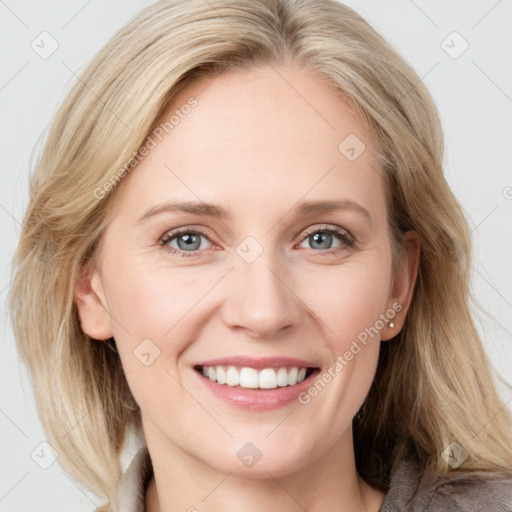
346,239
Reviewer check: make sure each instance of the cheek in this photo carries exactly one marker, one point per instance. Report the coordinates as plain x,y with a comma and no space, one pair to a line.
154,303
349,300
155,313
158,315
350,303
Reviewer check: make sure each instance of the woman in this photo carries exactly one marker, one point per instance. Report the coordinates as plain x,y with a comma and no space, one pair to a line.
170,279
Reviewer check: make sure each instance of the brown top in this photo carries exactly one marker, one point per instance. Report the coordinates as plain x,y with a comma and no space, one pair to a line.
409,491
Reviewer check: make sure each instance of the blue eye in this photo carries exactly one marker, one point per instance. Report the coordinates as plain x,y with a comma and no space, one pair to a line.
323,238
189,242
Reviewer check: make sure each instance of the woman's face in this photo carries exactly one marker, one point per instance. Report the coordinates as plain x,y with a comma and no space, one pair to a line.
283,262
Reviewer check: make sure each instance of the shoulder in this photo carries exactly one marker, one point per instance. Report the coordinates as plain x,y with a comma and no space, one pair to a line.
411,490
466,495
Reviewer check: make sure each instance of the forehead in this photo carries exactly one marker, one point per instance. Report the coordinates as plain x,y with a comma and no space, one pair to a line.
255,139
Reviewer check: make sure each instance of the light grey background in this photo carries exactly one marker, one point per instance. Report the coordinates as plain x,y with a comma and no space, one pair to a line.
473,92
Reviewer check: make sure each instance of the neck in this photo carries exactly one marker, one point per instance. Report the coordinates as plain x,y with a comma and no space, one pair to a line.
331,482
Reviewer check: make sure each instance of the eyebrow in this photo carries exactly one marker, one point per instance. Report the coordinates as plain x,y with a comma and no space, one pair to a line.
197,208
218,212
311,207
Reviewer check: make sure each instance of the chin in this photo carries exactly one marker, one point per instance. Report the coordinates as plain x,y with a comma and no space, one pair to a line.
254,456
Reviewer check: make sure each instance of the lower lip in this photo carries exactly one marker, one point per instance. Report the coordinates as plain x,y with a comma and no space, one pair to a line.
257,399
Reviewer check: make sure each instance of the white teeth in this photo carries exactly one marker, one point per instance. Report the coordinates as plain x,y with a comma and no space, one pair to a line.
282,377
267,379
221,375
292,376
232,376
250,378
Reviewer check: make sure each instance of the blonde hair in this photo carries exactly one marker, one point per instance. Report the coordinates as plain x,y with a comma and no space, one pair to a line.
433,383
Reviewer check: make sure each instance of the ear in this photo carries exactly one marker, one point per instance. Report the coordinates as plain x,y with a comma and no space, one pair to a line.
91,303
403,284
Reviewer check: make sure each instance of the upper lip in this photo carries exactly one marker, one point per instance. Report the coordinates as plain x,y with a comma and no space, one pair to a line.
259,362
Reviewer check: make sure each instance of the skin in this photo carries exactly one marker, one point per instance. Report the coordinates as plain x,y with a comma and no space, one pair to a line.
257,143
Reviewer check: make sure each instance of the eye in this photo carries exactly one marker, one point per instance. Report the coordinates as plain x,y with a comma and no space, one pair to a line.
323,239
187,241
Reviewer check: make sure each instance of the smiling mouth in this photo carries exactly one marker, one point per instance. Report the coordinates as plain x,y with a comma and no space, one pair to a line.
252,378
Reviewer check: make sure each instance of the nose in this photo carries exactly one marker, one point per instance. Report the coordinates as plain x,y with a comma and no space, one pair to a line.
260,299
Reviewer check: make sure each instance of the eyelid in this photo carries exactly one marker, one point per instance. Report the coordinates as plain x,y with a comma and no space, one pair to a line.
172,233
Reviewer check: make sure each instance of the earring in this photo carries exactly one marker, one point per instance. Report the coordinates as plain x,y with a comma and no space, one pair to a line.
392,325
